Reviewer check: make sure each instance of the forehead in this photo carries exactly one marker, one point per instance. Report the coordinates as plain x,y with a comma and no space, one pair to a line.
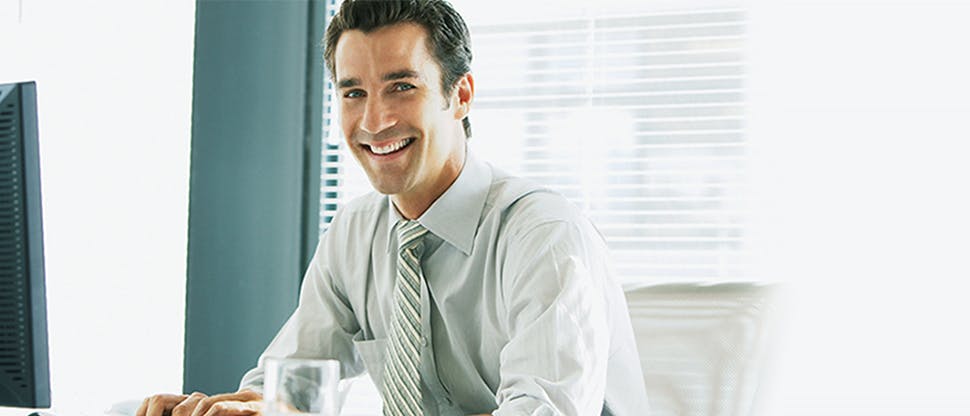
390,48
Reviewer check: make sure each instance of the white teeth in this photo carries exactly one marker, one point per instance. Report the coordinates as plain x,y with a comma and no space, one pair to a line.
391,148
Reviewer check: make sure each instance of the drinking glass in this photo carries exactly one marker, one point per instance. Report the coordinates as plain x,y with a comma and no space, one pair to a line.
301,387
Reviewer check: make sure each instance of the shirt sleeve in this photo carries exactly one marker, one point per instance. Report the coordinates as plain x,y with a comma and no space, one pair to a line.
322,326
556,357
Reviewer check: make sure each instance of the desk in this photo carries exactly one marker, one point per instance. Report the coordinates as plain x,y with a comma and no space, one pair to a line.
13,411
16,411
363,399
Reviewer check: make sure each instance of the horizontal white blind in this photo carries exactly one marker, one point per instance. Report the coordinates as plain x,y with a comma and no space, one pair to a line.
341,179
637,119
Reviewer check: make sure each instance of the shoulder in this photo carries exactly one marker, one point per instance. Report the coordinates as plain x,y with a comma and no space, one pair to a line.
362,208
522,205
350,234
543,241
358,216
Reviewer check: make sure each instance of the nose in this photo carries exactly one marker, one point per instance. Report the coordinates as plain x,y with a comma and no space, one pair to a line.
377,116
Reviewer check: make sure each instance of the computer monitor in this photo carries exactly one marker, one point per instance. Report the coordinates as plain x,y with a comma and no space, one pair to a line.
24,371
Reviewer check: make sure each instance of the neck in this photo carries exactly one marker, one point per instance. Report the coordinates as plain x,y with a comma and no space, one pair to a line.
413,205
411,209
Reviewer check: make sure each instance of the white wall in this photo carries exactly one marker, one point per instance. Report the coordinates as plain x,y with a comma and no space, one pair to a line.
860,129
114,95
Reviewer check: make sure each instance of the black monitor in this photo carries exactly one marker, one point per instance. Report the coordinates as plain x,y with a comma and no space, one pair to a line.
24,372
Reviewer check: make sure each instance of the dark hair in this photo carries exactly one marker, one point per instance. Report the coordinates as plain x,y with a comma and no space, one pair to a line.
448,38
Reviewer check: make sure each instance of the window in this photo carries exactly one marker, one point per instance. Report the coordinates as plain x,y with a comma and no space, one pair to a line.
638,118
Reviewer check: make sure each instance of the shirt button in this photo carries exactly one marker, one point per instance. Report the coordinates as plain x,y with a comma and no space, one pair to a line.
424,341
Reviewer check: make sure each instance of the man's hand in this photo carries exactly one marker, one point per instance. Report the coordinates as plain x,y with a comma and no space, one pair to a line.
242,403
162,404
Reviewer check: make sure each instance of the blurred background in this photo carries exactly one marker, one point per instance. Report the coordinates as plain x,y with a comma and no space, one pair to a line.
816,145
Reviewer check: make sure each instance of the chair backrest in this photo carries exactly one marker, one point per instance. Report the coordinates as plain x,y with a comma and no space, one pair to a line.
701,346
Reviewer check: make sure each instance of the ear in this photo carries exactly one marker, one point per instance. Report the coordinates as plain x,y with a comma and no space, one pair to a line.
463,95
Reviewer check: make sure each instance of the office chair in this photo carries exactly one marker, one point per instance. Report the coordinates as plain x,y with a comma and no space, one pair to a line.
702,347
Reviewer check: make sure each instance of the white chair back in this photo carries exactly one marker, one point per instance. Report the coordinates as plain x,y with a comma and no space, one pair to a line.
701,346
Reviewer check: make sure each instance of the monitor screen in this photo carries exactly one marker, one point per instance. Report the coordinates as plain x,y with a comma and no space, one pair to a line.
24,374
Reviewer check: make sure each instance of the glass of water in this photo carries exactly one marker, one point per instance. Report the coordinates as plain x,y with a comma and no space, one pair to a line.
304,387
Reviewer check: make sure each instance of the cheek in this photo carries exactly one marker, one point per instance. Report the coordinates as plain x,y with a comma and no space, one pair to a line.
432,115
348,119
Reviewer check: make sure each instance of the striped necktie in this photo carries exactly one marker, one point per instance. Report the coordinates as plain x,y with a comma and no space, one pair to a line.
402,377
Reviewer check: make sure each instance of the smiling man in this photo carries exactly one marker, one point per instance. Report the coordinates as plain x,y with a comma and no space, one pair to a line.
400,122
458,288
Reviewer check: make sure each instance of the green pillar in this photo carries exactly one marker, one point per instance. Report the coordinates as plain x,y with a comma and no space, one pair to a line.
254,190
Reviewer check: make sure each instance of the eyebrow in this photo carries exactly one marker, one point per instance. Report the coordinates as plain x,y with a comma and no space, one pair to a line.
390,76
402,74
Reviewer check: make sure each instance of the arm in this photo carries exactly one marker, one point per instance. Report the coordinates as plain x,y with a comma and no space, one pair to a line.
556,356
321,327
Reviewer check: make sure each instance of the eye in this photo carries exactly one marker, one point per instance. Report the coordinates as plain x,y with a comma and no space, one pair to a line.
354,94
402,86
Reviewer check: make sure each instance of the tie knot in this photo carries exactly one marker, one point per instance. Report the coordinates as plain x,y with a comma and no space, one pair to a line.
409,234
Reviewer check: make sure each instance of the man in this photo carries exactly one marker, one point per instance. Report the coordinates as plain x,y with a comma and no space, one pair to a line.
460,289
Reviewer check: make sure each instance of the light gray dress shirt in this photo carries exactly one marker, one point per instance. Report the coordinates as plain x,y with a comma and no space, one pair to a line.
520,314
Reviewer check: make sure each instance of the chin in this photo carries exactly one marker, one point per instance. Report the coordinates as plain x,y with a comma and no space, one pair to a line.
387,187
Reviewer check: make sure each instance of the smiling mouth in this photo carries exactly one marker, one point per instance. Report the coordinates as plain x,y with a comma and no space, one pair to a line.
390,148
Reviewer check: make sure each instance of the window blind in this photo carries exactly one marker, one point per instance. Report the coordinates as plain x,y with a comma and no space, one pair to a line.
638,119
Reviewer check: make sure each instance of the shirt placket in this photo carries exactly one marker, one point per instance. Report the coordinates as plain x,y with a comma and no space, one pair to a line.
443,404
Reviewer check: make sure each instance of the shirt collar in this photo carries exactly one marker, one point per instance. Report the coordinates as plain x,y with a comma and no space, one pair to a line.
454,215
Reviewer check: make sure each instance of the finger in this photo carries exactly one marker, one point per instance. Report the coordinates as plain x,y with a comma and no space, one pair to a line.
242,396
187,406
160,404
230,408
249,395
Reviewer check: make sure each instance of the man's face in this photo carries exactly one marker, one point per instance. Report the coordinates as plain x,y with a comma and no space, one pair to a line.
406,135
